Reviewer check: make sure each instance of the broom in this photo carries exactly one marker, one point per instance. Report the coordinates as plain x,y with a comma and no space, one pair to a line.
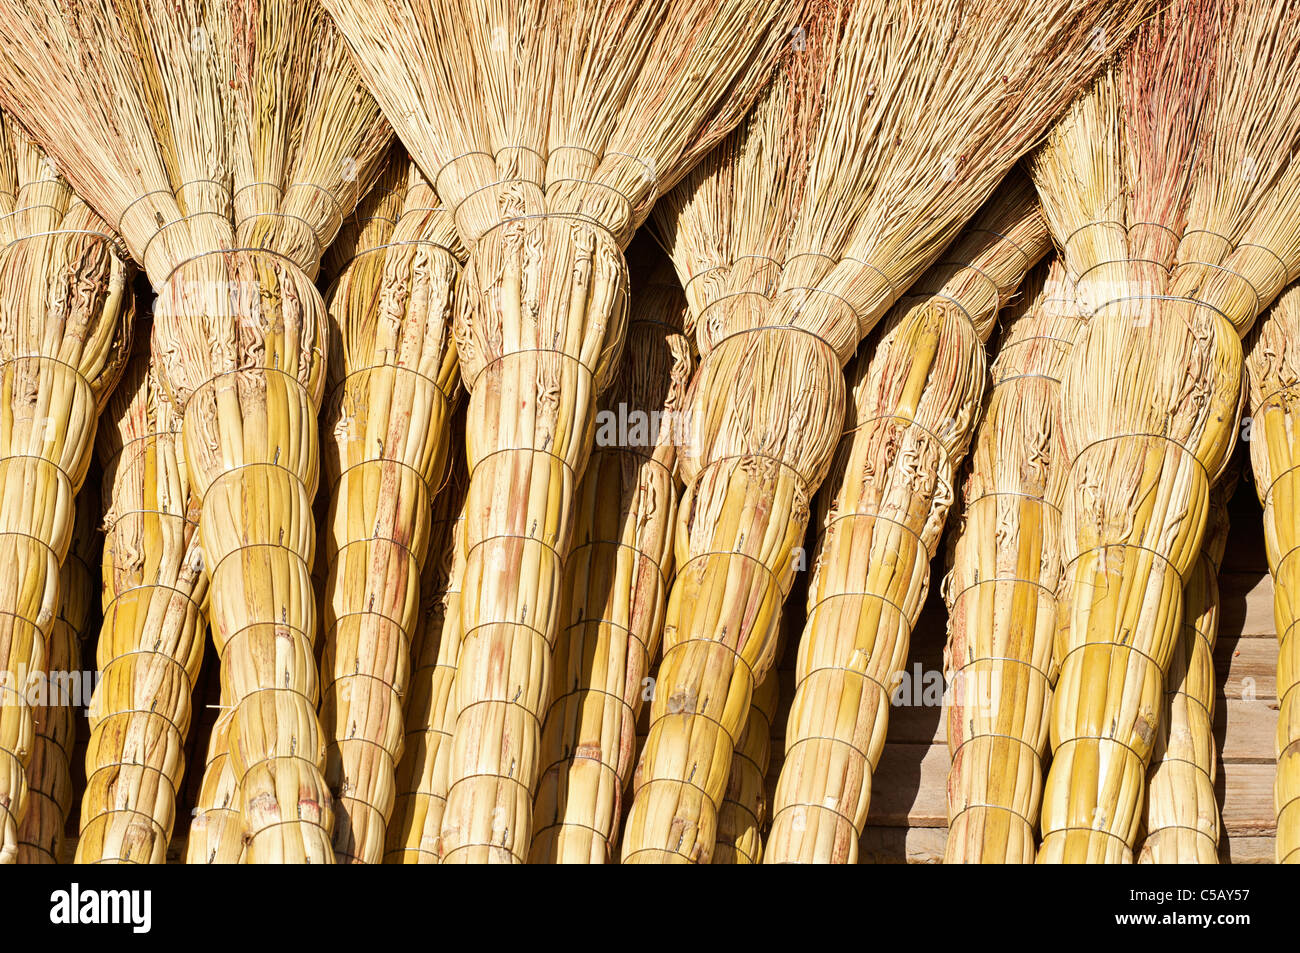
1274,384
1180,157
874,187
1004,566
64,336
1181,817
394,384
415,833
549,129
917,393
49,775
742,816
151,639
228,141
615,579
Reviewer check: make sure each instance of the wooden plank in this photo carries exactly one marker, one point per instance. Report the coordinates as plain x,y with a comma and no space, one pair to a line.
1249,657
900,845
1246,849
910,787
1245,729
1246,798
1245,604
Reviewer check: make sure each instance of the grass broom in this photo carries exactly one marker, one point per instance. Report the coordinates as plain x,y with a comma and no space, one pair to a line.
49,776
65,319
415,834
1181,816
1273,366
875,187
742,816
228,142
916,393
1170,190
615,579
394,384
549,130
152,636
1004,566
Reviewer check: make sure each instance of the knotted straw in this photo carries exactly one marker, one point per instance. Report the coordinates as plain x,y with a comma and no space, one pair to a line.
1004,566
65,318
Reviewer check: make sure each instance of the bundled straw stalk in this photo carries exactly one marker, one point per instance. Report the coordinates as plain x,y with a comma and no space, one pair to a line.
916,395
549,130
395,381
742,815
1171,191
228,142
1004,566
615,580
1273,362
152,636
415,833
62,696
1181,817
794,239
65,316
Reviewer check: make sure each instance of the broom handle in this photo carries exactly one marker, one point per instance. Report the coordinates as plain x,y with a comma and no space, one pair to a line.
997,719
1109,694
217,832
415,834
149,652
38,506
41,833
744,807
1182,811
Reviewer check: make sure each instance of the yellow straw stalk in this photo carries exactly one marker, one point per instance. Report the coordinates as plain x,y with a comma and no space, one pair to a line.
793,240
394,383
1171,191
415,833
549,130
152,636
1181,817
1273,362
615,580
1000,589
742,816
228,141
916,393
64,337
62,696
